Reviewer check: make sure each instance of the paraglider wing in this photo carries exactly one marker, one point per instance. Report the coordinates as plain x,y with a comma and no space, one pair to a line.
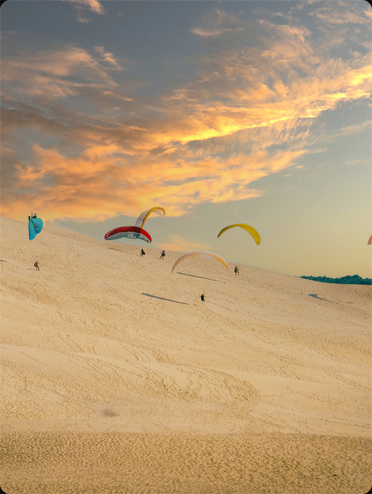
132,232
248,228
208,254
370,240
143,216
35,225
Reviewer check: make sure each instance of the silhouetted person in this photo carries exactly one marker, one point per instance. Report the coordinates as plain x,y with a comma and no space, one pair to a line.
162,254
36,265
236,270
142,252
202,297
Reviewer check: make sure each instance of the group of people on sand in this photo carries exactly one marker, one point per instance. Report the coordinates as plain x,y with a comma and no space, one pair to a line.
162,254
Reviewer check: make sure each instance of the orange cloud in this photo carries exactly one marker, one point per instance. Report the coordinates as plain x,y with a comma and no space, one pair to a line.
92,5
98,184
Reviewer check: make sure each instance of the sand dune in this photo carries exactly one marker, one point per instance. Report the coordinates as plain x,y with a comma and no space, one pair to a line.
117,378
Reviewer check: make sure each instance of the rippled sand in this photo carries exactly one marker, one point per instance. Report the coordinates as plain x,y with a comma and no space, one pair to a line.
108,463
116,378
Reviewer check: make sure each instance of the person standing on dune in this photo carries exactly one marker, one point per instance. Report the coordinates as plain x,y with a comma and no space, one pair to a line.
36,265
202,297
142,252
162,254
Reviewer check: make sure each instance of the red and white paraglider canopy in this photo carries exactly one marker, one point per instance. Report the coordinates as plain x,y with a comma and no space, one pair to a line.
132,232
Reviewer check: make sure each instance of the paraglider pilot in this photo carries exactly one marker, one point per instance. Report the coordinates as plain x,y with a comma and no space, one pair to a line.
36,265
236,270
142,252
202,297
162,255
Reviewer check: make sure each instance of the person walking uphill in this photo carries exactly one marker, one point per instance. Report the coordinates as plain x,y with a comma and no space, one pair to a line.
202,298
162,254
36,265
142,252
236,270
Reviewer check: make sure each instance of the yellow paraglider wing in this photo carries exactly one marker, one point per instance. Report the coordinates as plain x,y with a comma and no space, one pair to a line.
209,254
248,228
143,216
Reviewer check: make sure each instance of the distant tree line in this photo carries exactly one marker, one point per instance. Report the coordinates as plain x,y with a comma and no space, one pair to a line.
345,280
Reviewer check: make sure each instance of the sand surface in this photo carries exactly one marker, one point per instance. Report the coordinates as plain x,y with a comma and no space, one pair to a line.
116,378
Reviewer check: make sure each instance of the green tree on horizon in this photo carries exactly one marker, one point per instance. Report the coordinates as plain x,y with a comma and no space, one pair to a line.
344,280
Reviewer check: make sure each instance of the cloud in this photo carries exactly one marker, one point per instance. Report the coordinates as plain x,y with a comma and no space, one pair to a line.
217,22
55,73
358,162
341,13
92,5
107,57
80,142
101,182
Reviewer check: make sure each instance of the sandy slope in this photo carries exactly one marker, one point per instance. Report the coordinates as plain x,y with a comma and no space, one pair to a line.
105,350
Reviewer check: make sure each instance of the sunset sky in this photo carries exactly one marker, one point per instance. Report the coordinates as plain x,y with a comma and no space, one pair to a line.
255,112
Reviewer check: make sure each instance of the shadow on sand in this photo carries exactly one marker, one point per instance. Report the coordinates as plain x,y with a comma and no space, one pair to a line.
314,295
161,298
202,277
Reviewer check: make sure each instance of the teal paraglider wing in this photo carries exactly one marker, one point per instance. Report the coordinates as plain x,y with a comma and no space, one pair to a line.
35,225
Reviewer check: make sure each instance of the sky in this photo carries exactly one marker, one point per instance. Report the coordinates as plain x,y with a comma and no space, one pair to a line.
221,112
